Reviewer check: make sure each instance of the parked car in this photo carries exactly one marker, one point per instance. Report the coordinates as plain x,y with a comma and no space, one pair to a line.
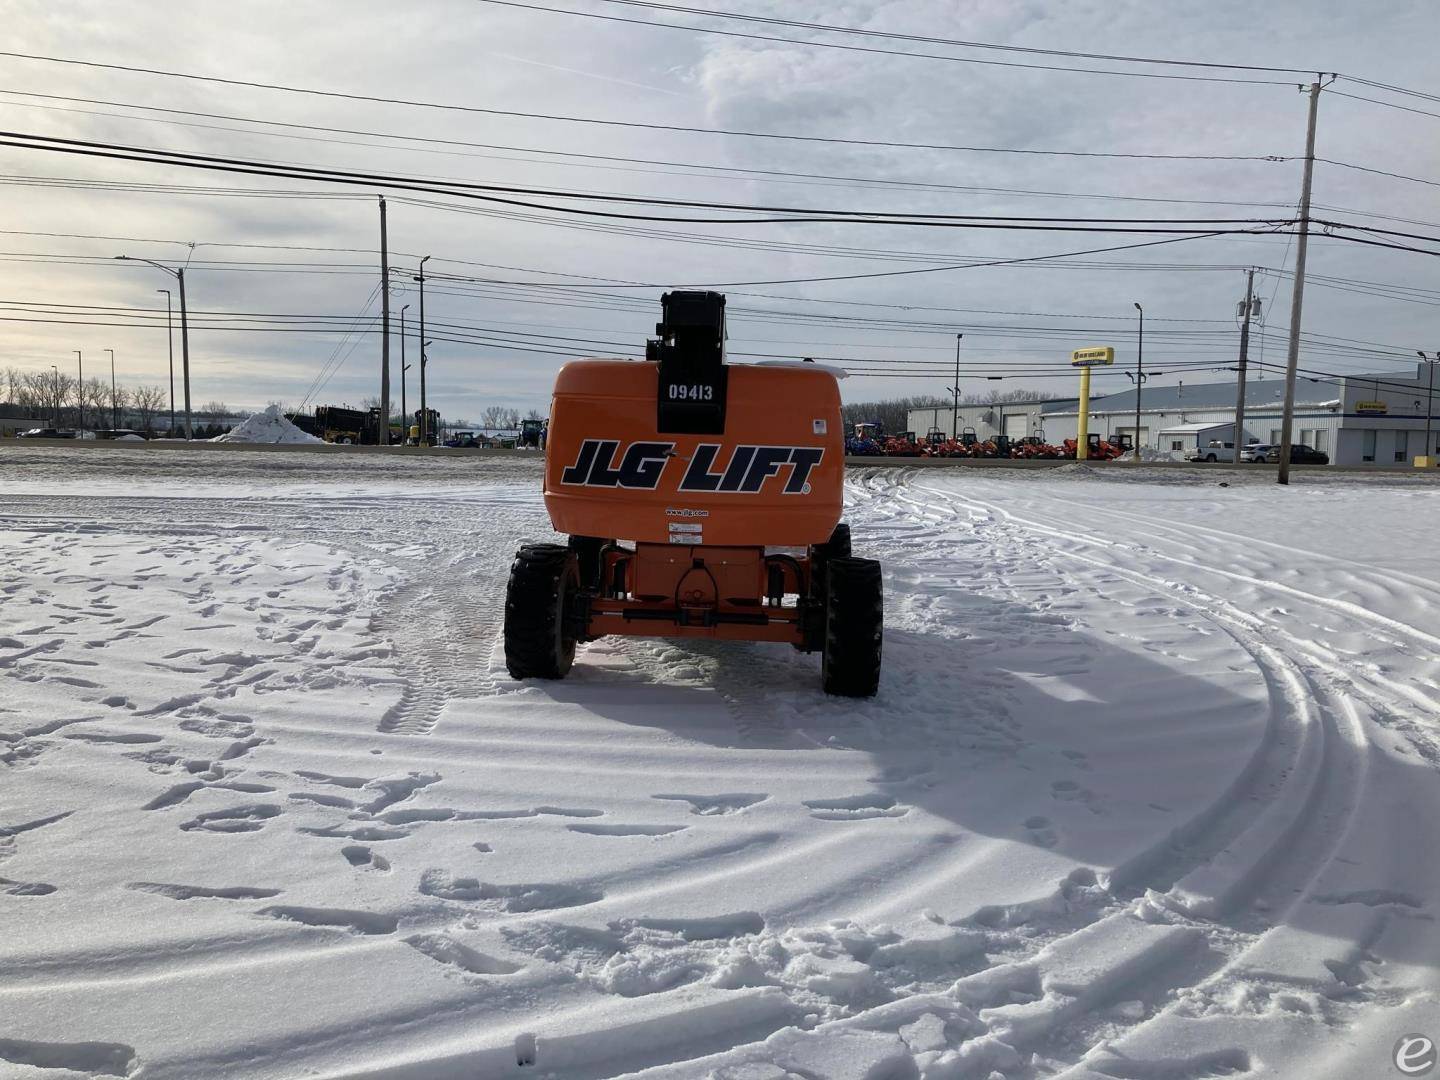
1300,454
1254,453
1214,450
45,433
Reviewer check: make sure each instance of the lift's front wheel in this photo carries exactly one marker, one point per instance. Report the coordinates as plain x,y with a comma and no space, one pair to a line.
854,615
539,637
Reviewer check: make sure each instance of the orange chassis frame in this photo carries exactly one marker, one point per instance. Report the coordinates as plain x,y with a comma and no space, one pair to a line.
701,591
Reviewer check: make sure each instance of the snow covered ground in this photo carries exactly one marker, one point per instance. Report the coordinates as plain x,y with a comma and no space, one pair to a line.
1149,791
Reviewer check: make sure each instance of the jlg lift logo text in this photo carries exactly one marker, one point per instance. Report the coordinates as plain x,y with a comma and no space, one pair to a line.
640,467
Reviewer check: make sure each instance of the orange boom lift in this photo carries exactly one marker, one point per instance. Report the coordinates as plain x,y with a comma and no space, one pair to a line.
701,499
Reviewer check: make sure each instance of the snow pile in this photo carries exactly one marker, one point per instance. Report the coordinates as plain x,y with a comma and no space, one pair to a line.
1149,453
269,426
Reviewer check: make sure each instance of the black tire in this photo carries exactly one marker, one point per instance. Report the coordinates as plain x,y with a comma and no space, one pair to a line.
587,550
854,618
838,546
539,638
1210,458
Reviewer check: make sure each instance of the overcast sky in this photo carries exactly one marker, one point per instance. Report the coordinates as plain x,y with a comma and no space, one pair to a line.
472,53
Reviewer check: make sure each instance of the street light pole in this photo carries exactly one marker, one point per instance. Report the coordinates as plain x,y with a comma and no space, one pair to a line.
1139,377
114,399
55,412
179,276
79,391
424,416
170,341
955,410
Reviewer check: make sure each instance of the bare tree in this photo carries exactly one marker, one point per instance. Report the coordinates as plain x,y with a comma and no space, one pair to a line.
534,414
120,401
493,416
512,418
217,408
49,391
147,401
93,400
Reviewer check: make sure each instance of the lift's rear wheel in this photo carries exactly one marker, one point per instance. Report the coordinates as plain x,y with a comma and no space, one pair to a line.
539,638
854,613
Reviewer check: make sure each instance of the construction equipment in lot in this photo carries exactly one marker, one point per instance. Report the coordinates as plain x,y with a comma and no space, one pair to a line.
703,468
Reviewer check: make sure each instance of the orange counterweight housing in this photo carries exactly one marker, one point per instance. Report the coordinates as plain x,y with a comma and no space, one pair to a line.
698,499
774,477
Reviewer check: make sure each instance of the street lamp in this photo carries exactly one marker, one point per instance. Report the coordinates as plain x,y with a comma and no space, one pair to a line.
404,367
424,416
170,341
179,276
955,410
79,390
1140,377
114,398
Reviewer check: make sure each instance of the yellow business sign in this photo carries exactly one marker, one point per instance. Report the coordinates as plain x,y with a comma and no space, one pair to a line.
1096,357
1373,408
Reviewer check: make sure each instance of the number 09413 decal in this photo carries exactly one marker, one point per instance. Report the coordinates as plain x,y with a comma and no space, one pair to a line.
690,392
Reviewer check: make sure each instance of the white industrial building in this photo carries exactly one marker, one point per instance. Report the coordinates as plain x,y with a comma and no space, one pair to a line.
1358,420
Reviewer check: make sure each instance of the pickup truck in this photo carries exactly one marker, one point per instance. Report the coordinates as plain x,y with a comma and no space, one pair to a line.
1214,450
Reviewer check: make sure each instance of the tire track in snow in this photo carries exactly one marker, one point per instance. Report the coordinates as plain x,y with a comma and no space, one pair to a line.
1275,857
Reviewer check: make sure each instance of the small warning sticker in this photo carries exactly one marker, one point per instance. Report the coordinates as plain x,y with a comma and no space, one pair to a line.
686,538
820,426
686,527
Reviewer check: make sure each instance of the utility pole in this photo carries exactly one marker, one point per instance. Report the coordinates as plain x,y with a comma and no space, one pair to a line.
79,392
55,409
1139,377
1429,405
955,411
1247,307
170,341
1297,299
114,398
382,437
424,416
185,354
404,367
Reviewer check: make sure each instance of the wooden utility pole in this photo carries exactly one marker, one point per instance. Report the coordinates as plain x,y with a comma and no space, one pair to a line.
1297,299
382,437
1248,306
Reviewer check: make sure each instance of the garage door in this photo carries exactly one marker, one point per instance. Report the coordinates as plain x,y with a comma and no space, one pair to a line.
1016,425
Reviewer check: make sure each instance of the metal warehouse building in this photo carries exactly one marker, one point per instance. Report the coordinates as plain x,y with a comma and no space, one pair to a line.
1358,420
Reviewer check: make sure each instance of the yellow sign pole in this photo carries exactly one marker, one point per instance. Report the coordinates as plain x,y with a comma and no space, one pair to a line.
1085,359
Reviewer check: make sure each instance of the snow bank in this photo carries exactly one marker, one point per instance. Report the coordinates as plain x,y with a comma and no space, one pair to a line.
269,426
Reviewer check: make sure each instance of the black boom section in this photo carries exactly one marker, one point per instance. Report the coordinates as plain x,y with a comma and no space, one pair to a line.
690,351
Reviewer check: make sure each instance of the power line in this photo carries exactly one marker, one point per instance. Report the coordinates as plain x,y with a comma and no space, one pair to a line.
1377,172
1392,88
878,51
640,125
767,175
1387,104
928,40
